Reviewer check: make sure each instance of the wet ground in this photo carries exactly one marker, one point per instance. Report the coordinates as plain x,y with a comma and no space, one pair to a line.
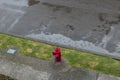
91,26
33,2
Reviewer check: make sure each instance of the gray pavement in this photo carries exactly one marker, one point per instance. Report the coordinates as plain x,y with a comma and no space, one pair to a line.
21,71
22,67
105,77
91,26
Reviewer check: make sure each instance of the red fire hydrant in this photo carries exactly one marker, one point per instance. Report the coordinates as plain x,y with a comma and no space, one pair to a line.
57,54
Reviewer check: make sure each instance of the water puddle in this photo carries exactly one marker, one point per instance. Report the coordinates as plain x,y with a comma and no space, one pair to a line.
32,2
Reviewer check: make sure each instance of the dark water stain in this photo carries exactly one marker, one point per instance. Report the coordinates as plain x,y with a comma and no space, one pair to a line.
32,2
58,7
71,27
101,16
113,22
49,5
104,29
106,26
119,17
53,17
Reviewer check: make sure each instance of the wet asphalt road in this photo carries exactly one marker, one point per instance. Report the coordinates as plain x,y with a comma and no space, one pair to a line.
89,27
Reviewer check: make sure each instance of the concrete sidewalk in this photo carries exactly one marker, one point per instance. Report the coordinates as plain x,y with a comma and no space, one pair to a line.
23,67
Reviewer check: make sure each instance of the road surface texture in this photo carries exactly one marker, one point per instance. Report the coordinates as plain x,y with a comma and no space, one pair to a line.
22,67
87,25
